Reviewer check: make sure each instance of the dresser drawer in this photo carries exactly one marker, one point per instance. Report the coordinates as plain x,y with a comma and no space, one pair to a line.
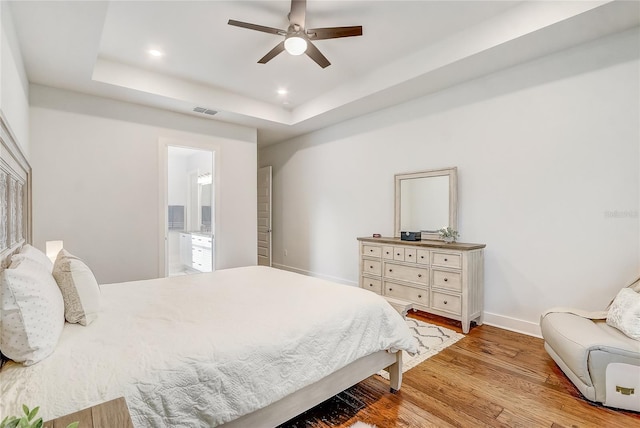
398,254
452,260
446,279
373,267
387,252
371,250
422,257
446,302
410,255
415,274
404,292
371,284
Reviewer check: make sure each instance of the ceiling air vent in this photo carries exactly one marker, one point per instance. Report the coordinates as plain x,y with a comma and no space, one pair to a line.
204,111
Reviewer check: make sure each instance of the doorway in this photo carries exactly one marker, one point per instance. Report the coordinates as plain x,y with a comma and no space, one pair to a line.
190,211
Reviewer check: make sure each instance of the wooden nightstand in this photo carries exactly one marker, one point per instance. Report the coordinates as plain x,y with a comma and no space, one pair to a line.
112,414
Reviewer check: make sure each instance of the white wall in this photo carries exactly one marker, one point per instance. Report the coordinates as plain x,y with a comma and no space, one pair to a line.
14,86
544,152
96,181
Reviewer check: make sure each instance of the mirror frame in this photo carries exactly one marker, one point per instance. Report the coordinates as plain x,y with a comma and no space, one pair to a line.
452,173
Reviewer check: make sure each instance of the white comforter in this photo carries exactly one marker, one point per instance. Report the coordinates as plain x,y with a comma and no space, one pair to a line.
201,350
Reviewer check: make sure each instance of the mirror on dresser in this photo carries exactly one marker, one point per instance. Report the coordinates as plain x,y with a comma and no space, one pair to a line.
426,201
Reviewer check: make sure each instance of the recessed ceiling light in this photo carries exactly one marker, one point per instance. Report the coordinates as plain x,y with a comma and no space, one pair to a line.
282,91
155,52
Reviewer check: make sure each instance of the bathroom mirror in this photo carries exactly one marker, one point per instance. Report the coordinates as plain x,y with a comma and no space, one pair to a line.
426,201
205,207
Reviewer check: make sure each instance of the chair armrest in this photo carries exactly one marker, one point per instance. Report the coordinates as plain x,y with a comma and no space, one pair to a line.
572,338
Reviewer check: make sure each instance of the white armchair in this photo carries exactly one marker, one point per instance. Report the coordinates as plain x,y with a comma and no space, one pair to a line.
600,360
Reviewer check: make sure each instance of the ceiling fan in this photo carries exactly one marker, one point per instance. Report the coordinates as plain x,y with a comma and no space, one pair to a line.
297,39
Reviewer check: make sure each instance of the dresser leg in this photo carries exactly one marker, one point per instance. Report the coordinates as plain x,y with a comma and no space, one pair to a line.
466,326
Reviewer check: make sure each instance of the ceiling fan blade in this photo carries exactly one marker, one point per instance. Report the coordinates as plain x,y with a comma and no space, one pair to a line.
334,32
298,12
272,53
316,55
256,27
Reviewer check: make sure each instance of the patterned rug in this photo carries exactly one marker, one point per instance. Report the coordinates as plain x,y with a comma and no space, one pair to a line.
431,340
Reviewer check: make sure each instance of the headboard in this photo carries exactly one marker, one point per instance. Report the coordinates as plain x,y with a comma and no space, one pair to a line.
15,195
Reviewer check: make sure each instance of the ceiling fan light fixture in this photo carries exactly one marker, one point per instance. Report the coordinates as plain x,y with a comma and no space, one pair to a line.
295,45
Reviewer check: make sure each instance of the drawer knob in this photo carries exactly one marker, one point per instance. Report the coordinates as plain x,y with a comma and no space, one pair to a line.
419,275
445,280
422,257
446,260
390,289
398,254
370,285
371,249
419,296
445,302
390,270
370,267
387,252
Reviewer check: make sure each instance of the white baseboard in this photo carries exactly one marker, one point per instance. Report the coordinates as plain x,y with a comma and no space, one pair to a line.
507,323
315,274
513,324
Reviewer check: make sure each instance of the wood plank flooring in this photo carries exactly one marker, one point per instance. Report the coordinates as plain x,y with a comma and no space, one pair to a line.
491,378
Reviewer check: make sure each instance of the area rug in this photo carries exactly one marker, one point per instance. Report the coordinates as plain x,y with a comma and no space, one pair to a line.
362,425
431,340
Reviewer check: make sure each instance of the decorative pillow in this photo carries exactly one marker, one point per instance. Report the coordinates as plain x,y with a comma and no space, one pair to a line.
36,255
32,311
624,313
79,288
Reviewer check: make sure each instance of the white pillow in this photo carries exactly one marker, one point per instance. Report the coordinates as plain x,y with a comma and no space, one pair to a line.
624,313
79,287
36,255
32,311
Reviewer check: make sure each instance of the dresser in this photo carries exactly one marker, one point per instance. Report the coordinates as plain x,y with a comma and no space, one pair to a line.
436,277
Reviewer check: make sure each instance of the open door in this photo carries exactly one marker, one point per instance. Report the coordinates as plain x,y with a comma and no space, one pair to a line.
264,216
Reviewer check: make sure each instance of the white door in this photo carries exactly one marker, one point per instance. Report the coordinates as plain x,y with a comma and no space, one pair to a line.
264,216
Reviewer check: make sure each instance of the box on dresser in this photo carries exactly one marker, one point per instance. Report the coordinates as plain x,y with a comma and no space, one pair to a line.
410,236
445,279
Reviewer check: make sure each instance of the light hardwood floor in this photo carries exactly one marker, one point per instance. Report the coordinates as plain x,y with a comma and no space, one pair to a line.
491,378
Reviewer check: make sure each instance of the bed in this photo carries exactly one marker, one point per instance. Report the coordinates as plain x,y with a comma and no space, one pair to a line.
252,346
209,349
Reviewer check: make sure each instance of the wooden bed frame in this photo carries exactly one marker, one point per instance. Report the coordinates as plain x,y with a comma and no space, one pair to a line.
294,404
15,231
